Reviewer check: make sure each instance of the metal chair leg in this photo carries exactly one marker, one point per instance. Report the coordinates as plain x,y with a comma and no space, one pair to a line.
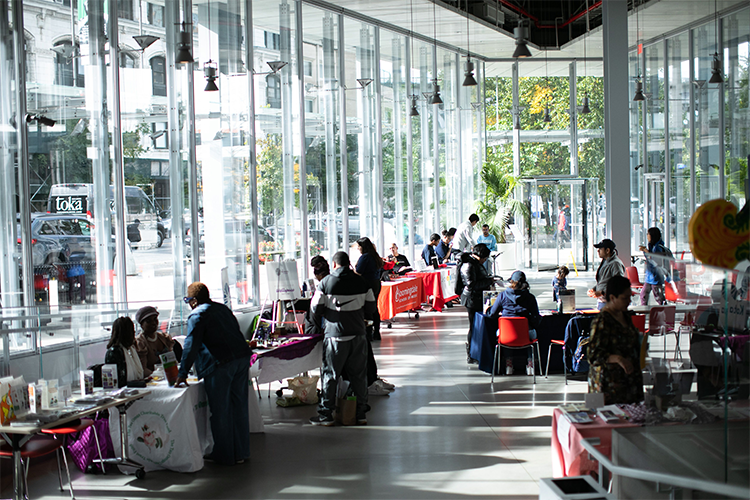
67,472
59,472
565,368
549,352
98,448
494,364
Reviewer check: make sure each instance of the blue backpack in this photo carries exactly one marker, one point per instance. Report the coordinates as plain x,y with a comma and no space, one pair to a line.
580,362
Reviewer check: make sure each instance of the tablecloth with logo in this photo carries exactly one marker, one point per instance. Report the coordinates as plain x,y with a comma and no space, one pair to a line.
171,429
399,296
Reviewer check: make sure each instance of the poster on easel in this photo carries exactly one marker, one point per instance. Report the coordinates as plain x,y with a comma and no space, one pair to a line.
283,281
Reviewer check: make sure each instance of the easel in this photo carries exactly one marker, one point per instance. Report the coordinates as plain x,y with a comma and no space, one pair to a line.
284,300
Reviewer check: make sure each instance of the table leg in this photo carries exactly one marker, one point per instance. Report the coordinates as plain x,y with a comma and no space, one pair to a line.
19,482
124,459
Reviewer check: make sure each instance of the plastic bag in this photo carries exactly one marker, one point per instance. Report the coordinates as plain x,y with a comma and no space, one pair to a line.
305,388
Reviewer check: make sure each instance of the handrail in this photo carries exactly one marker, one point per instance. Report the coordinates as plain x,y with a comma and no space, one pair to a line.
724,489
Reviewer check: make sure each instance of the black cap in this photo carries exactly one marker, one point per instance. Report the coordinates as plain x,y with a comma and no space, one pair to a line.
606,243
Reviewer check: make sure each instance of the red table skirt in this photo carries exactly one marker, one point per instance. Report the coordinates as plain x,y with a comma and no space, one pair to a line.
399,296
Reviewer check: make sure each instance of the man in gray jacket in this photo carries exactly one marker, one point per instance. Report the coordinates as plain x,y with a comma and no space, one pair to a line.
344,300
611,265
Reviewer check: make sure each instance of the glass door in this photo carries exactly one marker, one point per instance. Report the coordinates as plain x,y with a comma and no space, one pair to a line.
653,202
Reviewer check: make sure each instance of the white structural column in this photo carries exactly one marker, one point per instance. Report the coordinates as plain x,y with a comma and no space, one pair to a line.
616,133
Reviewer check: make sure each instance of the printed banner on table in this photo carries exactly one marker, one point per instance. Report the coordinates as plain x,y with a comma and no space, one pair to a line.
448,281
399,296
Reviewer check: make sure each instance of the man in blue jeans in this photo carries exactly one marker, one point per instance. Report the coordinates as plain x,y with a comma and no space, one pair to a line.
221,356
344,300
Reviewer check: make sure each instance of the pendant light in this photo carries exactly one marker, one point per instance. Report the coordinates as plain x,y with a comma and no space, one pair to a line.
716,76
210,68
435,99
547,118
183,46
413,111
638,83
585,109
522,50
469,81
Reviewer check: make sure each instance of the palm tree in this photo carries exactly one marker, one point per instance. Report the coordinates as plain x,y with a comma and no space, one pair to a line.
499,206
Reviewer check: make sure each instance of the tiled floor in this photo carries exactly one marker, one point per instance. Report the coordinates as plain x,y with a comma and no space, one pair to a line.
444,433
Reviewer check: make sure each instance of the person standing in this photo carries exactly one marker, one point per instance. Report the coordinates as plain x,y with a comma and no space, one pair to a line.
610,266
654,280
614,350
472,280
344,300
490,242
216,346
464,241
369,266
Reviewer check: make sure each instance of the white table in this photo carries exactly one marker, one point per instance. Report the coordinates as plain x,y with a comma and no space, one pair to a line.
171,429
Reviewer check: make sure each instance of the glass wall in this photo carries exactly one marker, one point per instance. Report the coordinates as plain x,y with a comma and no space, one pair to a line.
154,179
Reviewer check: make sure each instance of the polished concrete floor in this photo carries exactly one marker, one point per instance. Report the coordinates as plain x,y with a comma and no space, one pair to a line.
445,432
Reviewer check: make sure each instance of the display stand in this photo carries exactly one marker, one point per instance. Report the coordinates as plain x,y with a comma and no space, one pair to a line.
283,291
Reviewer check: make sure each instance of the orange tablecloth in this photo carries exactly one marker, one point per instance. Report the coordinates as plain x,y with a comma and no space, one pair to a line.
569,458
399,296
439,284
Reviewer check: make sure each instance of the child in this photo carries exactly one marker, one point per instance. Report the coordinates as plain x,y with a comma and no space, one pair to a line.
560,282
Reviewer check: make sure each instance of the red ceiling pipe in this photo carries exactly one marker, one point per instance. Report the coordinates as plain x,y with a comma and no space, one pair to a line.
521,11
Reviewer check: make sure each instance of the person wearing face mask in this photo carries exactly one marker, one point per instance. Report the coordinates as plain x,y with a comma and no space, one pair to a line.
151,342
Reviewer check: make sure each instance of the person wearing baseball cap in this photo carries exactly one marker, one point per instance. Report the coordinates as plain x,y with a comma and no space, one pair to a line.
150,343
611,265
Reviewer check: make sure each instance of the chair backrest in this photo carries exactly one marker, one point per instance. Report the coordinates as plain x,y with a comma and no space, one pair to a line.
632,273
513,331
661,316
639,321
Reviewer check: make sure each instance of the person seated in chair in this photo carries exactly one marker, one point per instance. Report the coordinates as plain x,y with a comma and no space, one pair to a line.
121,351
151,342
518,301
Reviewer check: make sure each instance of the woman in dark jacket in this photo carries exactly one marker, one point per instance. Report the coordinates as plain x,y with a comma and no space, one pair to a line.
518,301
472,281
121,351
369,266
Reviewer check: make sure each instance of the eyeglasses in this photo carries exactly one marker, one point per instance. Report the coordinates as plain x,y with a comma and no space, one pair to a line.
187,300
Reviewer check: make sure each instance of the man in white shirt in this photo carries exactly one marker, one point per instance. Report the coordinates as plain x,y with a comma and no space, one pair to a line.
464,240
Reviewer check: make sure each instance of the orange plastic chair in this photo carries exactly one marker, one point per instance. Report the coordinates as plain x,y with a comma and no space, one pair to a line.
71,428
513,333
561,344
635,281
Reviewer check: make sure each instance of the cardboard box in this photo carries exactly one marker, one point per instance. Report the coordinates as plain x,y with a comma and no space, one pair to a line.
346,411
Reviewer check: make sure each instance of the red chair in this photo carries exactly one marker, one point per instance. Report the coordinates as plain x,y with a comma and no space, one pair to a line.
513,333
639,321
560,343
37,447
72,428
661,321
635,281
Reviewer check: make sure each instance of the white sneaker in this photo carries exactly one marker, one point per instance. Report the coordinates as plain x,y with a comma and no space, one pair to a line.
377,389
530,370
508,370
386,384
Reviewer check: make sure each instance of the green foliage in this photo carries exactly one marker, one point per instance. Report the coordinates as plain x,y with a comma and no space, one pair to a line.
498,206
77,165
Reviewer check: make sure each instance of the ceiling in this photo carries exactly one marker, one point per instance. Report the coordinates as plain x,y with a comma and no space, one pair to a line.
442,20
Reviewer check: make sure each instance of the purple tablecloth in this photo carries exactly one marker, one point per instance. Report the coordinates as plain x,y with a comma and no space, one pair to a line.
292,350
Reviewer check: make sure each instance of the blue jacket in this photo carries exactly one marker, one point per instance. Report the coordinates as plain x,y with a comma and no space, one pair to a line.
654,276
213,338
517,303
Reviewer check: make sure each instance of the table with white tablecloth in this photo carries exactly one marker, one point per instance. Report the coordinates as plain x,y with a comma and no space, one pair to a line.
171,429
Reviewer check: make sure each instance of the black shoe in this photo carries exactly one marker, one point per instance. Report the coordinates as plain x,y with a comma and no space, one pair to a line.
376,336
471,360
321,420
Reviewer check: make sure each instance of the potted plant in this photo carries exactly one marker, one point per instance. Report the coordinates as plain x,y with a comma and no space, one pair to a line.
499,208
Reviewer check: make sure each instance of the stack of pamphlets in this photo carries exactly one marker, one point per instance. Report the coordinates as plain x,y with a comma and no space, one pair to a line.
576,413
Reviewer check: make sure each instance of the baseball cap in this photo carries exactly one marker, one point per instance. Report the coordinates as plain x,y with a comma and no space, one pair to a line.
144,313
606,243
518,276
